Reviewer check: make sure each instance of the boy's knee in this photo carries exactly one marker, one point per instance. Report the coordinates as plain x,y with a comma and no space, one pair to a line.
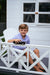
36,51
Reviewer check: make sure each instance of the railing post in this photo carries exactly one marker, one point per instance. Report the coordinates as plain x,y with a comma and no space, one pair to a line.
28,58
49,64
8,54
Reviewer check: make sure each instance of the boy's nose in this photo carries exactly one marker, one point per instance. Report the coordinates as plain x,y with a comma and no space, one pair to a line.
23,31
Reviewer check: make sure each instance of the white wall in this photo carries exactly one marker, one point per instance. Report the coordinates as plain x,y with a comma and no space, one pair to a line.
14,13
38,34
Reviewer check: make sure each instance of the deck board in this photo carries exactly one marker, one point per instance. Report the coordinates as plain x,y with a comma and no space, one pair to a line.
9,72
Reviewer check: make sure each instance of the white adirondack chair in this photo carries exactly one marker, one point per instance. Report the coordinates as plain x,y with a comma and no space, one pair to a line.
8,34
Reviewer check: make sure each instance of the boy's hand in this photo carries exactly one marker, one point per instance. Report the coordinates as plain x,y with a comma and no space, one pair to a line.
17,40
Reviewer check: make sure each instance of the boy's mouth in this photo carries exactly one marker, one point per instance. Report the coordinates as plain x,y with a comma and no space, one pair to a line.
23,33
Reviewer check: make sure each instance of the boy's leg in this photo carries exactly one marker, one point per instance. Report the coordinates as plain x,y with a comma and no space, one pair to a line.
36,51
31,62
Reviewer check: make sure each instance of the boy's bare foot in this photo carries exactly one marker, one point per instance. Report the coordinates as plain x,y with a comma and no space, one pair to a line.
37,69
40,67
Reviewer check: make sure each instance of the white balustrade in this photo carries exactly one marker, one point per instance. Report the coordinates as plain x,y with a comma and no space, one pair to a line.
18,57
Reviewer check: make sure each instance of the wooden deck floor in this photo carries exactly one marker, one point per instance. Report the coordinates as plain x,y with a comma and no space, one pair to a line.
8,72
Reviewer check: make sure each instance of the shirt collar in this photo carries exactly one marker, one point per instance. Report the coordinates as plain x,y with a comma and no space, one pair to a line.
21,36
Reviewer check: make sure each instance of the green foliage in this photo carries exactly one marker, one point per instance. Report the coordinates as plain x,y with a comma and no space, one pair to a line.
0,6
3,39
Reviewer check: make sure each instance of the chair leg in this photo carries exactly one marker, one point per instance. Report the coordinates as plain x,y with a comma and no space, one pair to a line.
19,65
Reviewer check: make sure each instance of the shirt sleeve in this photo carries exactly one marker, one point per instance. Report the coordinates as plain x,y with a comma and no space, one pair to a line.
28,42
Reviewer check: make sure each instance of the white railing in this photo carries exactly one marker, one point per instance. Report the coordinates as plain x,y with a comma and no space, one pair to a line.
15,55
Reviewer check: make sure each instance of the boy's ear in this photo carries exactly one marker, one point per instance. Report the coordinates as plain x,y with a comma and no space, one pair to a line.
19,30
27,30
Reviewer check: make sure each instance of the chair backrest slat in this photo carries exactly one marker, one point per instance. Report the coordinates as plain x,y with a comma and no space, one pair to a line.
9,33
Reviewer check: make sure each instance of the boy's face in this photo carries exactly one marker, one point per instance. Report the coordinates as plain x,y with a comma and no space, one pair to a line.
23,32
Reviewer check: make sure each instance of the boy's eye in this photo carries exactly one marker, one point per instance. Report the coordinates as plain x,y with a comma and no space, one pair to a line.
24,30
21,30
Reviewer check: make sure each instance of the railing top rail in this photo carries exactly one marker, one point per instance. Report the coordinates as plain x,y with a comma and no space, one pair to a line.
27,45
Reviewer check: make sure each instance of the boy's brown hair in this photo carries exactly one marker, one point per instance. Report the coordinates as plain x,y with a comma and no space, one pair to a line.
23,26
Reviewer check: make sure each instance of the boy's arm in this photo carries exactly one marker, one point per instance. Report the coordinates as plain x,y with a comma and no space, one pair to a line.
16,40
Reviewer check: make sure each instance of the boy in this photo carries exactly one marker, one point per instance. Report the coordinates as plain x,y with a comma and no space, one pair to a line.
23,29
